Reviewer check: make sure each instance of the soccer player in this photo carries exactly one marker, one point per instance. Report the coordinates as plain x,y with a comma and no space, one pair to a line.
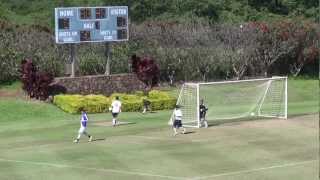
146,105
115,110
83,126
203,110
178,120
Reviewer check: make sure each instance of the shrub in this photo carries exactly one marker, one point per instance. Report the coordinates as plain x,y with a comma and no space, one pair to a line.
130,102
91,103
161,104
99,103
161,100
139,93
156,94
96,103
69,103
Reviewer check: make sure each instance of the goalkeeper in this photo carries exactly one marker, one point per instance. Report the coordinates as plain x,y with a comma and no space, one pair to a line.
203,110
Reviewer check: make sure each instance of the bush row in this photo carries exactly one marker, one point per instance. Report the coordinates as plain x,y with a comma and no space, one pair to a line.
159,100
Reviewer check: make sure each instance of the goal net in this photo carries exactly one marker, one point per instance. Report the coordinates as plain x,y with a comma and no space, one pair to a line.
233,100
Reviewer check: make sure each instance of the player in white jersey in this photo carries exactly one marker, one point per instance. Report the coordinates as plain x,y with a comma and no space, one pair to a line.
115,110
178,120
83,126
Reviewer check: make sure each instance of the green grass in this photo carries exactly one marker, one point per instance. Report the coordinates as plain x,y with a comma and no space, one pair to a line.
36,143
13,86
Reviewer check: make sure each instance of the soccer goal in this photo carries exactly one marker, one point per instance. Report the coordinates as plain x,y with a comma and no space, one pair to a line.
229,100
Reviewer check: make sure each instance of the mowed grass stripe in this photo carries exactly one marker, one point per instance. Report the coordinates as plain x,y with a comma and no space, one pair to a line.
162,176
86,168
257,169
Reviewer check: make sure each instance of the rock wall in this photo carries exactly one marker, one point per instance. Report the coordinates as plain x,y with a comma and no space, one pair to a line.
100,84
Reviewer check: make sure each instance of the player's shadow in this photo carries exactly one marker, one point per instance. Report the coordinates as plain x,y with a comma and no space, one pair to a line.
151,112
189,132
99,139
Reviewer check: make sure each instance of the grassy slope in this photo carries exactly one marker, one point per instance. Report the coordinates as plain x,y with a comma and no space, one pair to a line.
38,133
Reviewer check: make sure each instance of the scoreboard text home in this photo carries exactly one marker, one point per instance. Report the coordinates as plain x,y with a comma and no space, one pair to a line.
91,24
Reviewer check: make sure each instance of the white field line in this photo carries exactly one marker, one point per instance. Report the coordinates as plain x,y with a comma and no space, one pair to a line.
93,169
255,170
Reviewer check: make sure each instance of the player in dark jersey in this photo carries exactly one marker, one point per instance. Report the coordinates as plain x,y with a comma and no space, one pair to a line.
203,110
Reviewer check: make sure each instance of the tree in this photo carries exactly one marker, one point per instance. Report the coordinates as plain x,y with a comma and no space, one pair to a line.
270,47
35,83
146,69
239,43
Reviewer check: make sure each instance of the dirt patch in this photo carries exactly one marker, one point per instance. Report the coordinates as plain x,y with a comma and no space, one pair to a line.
310,120
6,93
231,131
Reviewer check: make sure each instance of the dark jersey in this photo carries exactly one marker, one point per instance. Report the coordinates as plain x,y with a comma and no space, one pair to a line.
203,109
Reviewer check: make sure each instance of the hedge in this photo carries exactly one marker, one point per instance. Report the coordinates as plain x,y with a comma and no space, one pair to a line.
161,100
99,103
73,103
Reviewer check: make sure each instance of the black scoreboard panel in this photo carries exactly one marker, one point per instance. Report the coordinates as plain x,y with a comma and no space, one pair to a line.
121,21
122,34
100,13
85,13
64,23
85,36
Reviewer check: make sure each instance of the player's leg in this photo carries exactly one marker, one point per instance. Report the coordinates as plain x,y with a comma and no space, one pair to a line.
205,123
175,127
175,132
184,130
87,134
114,119
80,132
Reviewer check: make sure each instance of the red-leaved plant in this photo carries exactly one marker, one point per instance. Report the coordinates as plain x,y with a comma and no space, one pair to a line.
146,69
35,83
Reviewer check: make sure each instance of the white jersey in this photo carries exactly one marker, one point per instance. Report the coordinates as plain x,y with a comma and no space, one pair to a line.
116,106
178,114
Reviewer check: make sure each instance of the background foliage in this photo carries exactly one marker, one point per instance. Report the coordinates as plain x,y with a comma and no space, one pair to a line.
190,40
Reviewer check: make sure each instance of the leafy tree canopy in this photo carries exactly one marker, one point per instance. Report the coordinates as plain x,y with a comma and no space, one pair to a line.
215,11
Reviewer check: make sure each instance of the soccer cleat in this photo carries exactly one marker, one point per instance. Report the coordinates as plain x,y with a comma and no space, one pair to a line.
76,141
90,139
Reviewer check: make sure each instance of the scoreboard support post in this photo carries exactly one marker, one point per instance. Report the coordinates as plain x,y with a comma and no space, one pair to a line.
108,57
73,60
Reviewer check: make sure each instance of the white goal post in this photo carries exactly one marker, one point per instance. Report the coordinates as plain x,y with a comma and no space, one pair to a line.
240,99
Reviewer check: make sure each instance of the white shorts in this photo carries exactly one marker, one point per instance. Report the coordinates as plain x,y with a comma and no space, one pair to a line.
82,130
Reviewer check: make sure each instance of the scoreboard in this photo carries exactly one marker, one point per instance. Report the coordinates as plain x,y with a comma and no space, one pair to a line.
91,24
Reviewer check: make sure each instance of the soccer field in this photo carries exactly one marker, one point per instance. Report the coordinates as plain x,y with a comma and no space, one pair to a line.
36,143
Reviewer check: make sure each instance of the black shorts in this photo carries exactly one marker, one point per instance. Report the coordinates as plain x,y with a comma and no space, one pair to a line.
115,115
177,123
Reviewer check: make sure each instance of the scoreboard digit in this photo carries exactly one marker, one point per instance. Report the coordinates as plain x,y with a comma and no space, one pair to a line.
91,24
